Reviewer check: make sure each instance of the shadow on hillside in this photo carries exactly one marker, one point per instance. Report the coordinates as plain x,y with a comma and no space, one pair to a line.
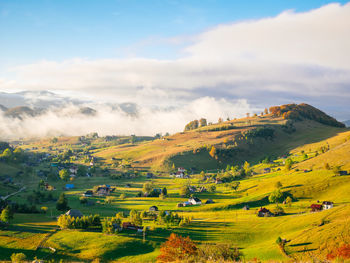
5,253
300,244
131,248
291,186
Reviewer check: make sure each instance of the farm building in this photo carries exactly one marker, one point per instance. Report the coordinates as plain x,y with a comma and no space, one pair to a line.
88,193
327,205
195,201
74,213
246,207
267,170
263,212
218,181
69,186
153,209
316,207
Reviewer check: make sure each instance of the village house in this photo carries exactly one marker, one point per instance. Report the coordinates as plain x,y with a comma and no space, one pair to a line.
129,225
103,190
74,213
263,212
316,207
153,209
267,170
327,205
218,181
88,193
69,186
181,169
195,201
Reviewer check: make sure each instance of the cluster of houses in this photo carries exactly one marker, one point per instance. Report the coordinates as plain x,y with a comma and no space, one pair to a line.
180,173
319,207
102,190
194,201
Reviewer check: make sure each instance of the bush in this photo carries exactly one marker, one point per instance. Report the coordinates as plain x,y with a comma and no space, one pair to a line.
18,257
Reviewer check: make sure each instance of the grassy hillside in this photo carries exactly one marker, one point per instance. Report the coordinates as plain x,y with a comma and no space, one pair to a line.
191,149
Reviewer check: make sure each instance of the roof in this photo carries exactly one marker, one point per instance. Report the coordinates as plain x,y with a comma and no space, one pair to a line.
195,199
264,210
74,213
89,192
69,185
316,206
327,203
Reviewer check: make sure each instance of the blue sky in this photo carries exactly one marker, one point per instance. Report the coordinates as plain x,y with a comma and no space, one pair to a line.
33,30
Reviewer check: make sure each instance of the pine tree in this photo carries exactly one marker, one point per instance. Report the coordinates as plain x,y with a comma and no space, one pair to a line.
62,203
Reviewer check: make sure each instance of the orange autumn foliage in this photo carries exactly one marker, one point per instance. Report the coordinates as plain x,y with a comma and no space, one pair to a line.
177,248
342,252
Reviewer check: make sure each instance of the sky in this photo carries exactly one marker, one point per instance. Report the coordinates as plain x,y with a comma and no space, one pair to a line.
171,55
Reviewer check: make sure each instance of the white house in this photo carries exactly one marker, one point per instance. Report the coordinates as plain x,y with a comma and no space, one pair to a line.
327,205
181,169
195,201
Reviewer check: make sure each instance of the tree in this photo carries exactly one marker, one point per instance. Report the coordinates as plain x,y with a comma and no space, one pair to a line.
6,215
135,218
18,257
327,166
7,154
64,174
289,201
275,196
341,254
177,248
202,122
185,191
212,188
18,154
288,164
147,188
220,120
246,168
266,111
54,140
165,191
62,203
278,184
81,171
235,185
132,139
336,170
212,152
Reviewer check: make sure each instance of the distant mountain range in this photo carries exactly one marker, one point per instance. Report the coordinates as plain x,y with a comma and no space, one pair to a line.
35,103
34,99
347,123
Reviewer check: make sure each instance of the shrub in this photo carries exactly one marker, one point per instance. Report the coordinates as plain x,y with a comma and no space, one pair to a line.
18,257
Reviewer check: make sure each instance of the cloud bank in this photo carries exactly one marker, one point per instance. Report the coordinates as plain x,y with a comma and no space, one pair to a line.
111,120
292,57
